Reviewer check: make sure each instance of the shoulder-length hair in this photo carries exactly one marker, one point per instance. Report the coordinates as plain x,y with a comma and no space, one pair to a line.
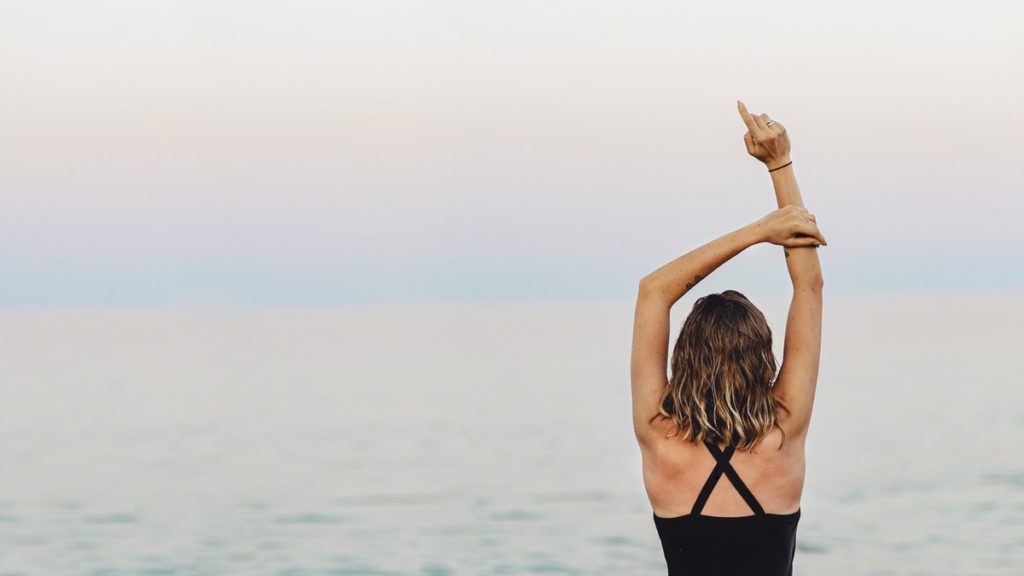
723,374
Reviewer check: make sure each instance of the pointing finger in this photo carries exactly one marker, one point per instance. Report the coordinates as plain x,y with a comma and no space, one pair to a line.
747,119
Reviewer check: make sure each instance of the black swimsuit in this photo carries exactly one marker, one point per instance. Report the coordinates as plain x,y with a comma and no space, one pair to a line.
696,545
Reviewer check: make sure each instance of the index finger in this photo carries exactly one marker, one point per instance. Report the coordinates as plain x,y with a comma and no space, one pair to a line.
751,125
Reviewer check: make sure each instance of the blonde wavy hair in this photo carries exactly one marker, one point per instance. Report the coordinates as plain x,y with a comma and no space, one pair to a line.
723,374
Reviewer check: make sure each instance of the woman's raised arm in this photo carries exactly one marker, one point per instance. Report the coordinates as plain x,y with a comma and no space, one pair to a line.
798,376
668,283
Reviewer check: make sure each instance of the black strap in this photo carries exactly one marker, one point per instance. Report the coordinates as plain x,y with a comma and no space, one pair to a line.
709,485
722,465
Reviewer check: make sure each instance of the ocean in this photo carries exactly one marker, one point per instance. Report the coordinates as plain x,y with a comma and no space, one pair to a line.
477,439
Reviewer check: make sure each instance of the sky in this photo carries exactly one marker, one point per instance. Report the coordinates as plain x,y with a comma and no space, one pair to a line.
325,153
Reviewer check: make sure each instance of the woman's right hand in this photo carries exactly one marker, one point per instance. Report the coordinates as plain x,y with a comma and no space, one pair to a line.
790,226
769,144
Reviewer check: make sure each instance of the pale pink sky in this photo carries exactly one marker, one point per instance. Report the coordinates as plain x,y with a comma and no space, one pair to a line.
296,152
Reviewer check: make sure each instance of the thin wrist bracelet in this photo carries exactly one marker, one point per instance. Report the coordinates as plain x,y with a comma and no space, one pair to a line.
781,167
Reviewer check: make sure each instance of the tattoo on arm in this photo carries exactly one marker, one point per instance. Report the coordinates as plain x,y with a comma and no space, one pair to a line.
786,251
696,279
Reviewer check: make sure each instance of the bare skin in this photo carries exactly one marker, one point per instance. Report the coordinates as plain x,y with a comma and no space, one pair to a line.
674,469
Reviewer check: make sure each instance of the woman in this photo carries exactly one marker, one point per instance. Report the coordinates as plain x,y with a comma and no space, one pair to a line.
722,438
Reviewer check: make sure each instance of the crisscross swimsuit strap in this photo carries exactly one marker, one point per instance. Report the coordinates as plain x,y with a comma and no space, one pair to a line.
723,466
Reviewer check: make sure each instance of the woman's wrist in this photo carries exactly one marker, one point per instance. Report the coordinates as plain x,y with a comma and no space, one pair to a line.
753,233
778,163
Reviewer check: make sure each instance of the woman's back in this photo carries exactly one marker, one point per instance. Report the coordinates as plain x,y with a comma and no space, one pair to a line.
722,511
676,469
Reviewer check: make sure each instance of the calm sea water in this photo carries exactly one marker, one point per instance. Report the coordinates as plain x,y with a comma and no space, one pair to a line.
476,439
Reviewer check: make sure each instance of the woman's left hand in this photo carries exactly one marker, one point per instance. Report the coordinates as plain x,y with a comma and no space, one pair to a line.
790,226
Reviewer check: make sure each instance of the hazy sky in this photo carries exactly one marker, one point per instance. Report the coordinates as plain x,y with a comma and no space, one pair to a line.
309,152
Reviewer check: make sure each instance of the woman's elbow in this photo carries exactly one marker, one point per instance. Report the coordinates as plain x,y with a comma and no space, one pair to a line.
646,286
815,282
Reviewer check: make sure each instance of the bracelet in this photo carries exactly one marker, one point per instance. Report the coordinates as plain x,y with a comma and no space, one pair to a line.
781,167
